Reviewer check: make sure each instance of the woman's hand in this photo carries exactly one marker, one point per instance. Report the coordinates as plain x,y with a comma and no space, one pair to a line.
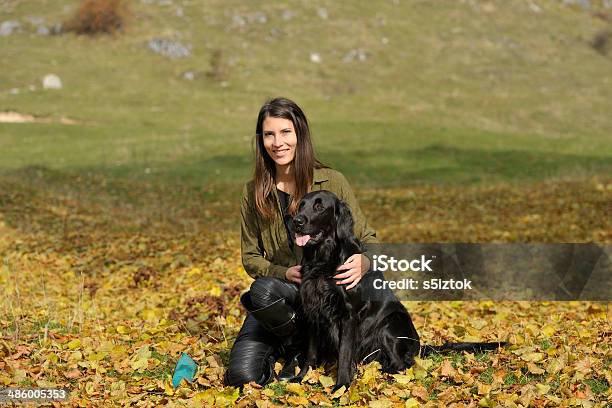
355,266
293,274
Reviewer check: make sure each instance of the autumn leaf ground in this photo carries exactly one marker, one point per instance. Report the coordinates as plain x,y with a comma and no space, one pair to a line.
469,121
104,285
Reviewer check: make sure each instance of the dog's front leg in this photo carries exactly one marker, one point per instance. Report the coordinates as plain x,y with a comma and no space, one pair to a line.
348,340
311,356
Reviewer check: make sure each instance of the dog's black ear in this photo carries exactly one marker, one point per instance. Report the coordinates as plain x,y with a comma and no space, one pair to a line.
344,222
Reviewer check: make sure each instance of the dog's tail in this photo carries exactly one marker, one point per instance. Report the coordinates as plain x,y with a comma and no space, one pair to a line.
471,347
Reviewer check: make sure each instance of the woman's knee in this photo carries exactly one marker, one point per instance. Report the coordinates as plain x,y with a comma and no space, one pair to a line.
266,290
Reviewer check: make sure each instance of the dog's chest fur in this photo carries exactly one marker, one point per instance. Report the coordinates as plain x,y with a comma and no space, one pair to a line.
324,305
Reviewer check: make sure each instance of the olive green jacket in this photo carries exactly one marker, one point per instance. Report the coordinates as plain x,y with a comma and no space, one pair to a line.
264,246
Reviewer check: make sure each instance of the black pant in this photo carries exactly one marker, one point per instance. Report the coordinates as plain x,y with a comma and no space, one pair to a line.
256,349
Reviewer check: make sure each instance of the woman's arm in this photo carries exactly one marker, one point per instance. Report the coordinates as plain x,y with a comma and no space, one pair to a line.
251,247
363,230
357,265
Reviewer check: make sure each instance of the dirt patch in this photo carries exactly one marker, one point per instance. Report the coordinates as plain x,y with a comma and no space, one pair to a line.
16,117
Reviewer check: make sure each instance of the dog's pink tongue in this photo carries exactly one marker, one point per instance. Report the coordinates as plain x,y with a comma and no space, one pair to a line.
301,240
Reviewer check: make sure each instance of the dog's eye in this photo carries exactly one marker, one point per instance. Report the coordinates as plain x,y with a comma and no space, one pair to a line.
318,207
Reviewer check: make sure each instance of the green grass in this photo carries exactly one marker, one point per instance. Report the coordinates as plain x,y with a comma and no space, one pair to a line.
599,386
27,383
42,325
427,382
526,378
113,373
457,94
510,379
457,359
391,161
278,388
486,376
545,344
161,371
555,382
224,355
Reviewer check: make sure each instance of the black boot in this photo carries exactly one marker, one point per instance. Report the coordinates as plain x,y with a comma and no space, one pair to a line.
281,319
252,356
292,350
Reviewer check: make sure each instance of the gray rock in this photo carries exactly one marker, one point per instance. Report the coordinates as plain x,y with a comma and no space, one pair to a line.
584,4
180,12
288,14
56,29
39,24
241,20
238,20
169,48
158,2
322,13
42,30
276,32
355,55
189,75
35,20
315,57
534,7
607,4
8,27
257,17
52,81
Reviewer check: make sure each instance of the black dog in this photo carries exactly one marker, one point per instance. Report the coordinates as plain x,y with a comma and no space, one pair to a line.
345,325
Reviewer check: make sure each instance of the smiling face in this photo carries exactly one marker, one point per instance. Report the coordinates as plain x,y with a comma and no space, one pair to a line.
279,140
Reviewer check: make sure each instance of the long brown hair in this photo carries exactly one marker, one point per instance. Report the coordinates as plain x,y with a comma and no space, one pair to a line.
304,162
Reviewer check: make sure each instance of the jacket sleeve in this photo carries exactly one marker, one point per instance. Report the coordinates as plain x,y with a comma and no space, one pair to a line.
251,247
363,231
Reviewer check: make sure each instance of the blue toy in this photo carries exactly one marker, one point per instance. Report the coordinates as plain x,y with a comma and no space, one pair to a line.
185,368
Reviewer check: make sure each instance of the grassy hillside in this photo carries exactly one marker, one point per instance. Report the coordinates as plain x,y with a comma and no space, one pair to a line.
448,91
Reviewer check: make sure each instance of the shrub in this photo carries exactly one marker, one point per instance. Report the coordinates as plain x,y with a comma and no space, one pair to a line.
98,17
602,42
219,70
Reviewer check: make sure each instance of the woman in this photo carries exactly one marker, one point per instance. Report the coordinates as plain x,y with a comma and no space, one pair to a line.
285,170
